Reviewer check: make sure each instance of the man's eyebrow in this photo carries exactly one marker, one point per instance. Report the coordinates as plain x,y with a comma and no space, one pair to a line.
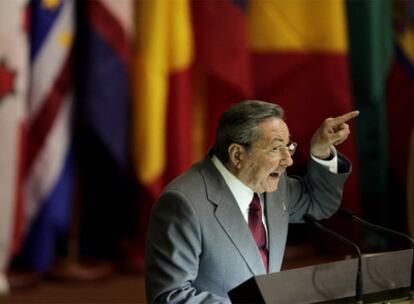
277,139
280,139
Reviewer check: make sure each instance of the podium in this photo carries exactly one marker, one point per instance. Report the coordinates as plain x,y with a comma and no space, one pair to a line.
386,279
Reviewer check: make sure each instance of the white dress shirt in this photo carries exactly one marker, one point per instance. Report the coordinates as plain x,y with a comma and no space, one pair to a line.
244,194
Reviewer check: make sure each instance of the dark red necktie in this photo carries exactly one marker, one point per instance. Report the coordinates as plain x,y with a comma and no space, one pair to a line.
257,228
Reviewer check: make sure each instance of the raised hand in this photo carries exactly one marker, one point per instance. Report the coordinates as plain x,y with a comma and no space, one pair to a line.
333,131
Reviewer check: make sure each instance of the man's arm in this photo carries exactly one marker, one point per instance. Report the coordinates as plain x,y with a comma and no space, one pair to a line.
173,248
320,191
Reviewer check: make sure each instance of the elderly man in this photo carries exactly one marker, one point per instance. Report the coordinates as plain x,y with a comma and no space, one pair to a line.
226,218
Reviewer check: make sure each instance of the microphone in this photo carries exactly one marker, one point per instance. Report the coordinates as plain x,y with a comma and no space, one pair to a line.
350,215
311,220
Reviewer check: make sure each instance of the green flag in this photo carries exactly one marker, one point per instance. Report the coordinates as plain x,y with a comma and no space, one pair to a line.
370,40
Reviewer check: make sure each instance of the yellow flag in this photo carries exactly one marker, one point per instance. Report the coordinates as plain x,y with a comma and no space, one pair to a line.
301,25
164,46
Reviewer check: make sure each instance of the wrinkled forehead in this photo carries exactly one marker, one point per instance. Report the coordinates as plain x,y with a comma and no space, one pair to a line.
273,130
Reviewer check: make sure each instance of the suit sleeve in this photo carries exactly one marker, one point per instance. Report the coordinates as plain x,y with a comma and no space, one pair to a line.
319,192
173,248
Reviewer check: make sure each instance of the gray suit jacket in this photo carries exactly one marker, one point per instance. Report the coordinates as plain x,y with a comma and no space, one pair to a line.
199,245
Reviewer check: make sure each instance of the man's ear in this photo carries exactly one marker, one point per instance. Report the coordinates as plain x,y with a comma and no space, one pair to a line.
236,154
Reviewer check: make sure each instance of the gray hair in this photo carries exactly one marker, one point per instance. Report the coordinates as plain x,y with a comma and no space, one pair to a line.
239,125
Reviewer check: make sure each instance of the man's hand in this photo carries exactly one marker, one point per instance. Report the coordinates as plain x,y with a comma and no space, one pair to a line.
333,131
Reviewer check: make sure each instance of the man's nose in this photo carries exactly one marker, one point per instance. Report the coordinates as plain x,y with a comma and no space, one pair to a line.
286,160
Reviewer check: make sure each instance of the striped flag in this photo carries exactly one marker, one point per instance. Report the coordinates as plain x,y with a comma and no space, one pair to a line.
164,55
266,50
102,135
14,55
299,51
49,162
161,110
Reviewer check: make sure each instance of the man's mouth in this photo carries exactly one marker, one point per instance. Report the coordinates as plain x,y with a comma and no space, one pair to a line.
275,174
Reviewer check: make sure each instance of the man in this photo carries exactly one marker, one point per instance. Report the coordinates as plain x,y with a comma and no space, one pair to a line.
226,218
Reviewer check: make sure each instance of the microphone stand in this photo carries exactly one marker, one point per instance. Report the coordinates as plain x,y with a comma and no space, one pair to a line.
311,220
349,214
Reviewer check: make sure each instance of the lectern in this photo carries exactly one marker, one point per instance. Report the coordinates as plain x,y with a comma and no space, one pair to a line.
386,279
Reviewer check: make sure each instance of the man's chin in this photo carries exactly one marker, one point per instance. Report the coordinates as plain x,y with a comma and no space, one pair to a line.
273,186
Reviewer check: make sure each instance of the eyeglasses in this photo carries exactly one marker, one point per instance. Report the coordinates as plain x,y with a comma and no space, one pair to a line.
289,148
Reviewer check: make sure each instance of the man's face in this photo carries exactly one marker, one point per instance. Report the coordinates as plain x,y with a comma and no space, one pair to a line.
262,166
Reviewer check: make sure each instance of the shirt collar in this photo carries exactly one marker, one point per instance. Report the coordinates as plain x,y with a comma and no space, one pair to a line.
240,191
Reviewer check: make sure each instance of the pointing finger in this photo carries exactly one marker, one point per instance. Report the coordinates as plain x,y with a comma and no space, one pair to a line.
345,117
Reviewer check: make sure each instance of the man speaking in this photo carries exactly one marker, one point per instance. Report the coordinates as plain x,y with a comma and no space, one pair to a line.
226,218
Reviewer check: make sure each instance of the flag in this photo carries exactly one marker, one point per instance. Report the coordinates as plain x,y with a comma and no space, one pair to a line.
107,45
299,58
103,82
222,62
161,110
14,55
400,109
266,50
164,53
370,36
48,172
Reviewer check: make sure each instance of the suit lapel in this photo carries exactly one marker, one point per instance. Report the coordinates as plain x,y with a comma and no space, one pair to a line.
230,218
276,216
